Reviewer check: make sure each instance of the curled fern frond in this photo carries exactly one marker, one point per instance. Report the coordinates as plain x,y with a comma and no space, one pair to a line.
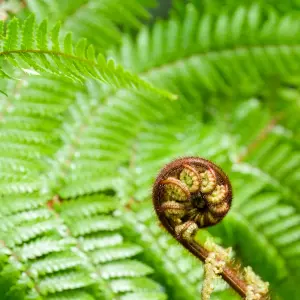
191,193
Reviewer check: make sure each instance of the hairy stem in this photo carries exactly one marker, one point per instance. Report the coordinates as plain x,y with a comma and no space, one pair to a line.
229,275
192,193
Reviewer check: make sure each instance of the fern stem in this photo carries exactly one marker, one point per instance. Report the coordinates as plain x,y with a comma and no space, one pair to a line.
50,52
228,274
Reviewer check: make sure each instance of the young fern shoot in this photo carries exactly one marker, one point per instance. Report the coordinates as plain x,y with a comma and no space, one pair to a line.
192,193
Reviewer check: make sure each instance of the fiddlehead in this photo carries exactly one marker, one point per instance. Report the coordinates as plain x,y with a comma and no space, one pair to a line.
192,193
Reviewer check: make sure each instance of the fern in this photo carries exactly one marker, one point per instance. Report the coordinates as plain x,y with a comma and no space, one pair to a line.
69,12
58,263
20,48
184,275
78,160
213,7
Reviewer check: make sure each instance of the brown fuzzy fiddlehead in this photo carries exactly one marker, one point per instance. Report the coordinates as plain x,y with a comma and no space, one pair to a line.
192,193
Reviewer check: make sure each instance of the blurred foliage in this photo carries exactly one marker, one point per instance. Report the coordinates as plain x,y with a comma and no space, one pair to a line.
78,157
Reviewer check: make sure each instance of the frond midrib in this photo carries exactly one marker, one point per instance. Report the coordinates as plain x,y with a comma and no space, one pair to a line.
134,79
50,52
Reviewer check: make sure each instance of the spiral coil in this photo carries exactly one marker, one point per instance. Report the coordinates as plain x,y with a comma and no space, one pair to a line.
191,193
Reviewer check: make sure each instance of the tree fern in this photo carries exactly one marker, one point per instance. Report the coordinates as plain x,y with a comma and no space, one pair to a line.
78,160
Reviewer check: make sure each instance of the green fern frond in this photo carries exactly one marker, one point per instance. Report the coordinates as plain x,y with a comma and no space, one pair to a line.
88,206
19,185
12,284
54,263
274,145
59,58
102,240
84,17
61,283
16,219
125,268
70,295
119,129
60,258
229,5
90,225
115,253
237,76
215,53
134,284
43,246
14,237
144,295
14,204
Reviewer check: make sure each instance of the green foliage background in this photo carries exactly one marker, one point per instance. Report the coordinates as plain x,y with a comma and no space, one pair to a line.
78,157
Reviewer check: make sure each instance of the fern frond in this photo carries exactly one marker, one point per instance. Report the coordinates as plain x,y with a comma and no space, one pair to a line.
39,214
115,253
19,185
60,59
14,204
54,263
144,295
134,284
70,295
12,284
89,205
118,128
43,246
102,240
125,269
95,138
63,260
22,234
213,7
200,52
95,224
99,21
69,281
266,148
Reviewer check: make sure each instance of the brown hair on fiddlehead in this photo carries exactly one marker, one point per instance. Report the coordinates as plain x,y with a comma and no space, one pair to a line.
191,193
